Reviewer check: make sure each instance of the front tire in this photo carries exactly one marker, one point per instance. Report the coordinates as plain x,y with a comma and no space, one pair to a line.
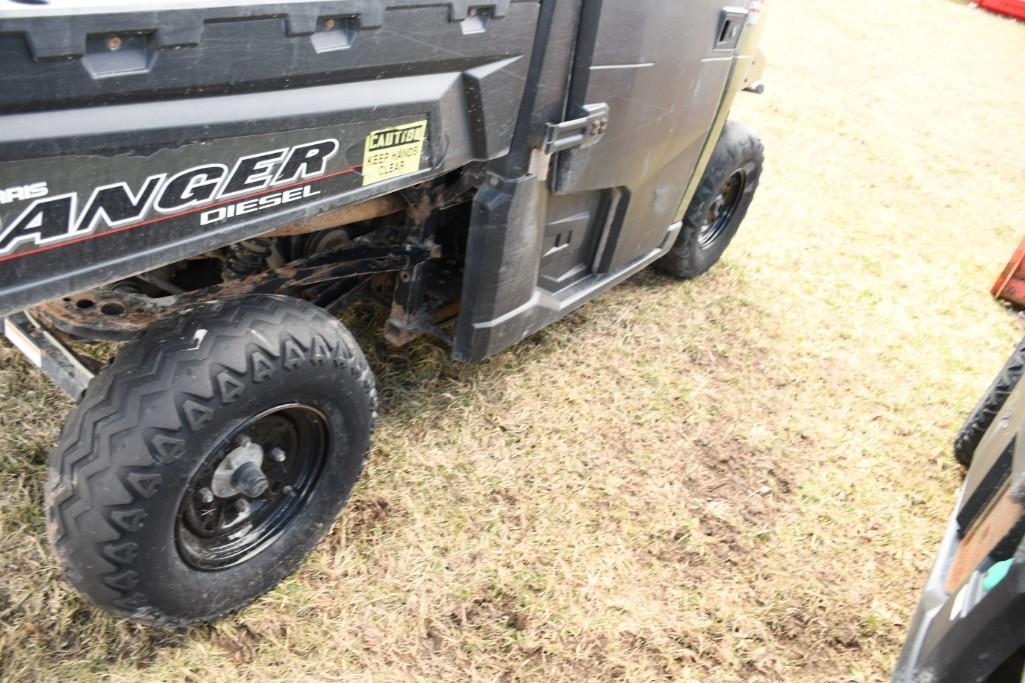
719,204
988,407
207,461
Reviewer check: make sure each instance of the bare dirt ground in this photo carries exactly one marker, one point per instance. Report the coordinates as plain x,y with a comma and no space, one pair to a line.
741,478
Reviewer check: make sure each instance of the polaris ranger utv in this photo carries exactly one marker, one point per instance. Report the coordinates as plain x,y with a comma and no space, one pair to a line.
208,185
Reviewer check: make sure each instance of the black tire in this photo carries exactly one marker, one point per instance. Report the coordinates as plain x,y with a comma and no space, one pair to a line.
719,204
123,507
989,406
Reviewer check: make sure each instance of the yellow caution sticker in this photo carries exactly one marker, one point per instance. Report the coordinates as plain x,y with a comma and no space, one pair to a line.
393,152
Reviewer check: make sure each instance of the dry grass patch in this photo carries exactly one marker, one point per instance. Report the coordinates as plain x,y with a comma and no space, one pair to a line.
741,478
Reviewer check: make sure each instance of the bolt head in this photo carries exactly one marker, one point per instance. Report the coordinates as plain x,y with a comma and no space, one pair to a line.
329,24
276,455
114,43
205,495
241,506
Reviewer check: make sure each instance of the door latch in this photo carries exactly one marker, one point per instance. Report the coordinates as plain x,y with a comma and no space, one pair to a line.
582,132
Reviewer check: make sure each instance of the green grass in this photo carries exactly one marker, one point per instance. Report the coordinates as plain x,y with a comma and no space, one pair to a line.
741,478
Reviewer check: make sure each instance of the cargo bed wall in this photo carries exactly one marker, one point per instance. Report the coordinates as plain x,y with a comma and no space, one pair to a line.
129,140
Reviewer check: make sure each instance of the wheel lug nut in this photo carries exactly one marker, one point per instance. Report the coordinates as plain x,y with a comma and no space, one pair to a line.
205,495
277,455
241,506
288,491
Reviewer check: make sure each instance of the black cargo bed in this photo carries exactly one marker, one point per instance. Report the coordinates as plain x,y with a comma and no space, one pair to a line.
132,139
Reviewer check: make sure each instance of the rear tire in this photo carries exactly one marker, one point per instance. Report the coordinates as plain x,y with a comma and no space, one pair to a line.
719,205
265,400
989,406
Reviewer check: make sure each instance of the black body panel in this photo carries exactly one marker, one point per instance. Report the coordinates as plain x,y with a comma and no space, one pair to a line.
101,99
545,243
252,80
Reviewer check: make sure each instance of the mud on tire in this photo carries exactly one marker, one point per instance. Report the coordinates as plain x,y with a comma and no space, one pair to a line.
146,429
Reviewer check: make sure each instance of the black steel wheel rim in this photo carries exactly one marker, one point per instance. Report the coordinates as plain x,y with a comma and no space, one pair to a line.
722,209
216,532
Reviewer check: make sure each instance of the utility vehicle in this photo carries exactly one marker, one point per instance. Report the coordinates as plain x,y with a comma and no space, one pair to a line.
207,185
969,626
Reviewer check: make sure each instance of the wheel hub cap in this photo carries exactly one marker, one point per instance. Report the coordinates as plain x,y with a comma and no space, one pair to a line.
251,487
722,209
239,472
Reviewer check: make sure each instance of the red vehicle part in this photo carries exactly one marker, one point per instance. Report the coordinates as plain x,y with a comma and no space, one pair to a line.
1012,8
1010,286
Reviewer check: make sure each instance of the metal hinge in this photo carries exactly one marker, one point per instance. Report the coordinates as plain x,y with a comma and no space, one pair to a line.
582,132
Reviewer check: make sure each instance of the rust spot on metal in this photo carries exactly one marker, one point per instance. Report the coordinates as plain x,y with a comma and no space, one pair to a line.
364,211
403,327
111,315
1010,286
120,316
411,314
982,538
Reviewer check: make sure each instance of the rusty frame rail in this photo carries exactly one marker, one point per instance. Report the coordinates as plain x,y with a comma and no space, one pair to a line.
110,315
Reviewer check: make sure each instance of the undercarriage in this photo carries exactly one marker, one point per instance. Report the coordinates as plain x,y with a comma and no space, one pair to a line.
403,251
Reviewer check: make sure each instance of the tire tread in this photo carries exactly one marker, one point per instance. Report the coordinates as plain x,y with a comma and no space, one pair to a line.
114,404
989,406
